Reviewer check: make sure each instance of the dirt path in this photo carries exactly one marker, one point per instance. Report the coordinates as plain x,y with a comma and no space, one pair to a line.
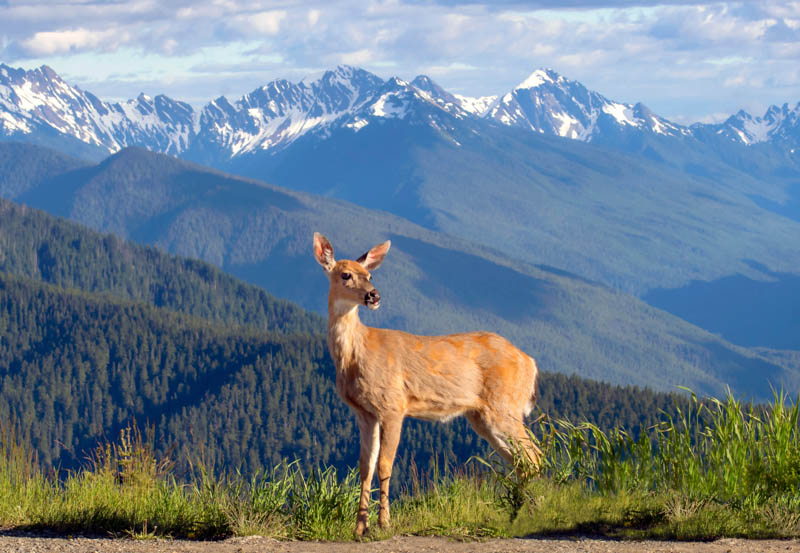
29,544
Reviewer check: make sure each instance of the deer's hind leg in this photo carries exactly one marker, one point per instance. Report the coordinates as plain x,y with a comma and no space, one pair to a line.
485,429
506,434
522,442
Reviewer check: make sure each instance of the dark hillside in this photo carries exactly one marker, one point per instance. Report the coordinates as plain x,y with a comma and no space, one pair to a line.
24,166
77,367
36,245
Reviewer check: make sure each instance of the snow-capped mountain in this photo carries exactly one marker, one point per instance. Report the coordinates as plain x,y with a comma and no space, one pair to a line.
398,99
274,116
269,118
452,102
39,99
548,103
778,124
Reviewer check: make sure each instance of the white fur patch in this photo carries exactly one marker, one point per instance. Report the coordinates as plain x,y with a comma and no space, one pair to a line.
376,446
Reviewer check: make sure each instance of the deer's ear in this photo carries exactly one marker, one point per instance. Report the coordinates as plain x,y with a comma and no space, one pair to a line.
323,252
374,257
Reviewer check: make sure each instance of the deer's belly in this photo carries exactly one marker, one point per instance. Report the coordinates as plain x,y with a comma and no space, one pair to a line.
433,412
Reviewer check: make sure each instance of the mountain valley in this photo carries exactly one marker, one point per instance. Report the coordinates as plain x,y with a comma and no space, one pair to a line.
559,201
432,282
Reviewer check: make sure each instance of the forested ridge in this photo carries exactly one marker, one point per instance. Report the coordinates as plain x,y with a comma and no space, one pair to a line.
53,250
96,332
78,366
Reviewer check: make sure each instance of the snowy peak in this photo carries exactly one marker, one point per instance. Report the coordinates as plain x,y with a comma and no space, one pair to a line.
648,120
476,105
274,116
393,100
425,84
540,77
452,103
40,99
341,89
421,102
436,94
277,114
161,124
549,103
777,124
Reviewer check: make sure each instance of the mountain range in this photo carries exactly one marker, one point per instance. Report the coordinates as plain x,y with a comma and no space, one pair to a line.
271,117
625,178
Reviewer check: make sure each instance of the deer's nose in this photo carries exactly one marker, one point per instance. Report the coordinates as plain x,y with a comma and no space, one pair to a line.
372,299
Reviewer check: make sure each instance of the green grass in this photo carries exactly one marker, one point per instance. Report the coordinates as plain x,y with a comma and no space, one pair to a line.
719,468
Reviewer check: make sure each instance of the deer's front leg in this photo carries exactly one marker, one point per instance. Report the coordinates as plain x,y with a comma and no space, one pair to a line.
391,428
369,430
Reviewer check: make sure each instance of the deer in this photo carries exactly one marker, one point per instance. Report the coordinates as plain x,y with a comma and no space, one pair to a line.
385,375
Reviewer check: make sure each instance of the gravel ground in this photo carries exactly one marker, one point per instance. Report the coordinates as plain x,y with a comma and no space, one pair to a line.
11,542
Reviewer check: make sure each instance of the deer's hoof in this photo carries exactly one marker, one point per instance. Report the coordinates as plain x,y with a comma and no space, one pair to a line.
361,528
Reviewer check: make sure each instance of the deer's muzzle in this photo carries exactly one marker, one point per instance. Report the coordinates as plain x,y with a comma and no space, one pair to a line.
372,299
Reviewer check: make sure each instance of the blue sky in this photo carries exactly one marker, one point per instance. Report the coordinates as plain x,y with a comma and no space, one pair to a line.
687,61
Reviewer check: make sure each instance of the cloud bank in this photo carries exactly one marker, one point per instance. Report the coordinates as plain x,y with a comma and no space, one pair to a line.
686,60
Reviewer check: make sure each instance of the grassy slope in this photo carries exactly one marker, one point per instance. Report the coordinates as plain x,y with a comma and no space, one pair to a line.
737,479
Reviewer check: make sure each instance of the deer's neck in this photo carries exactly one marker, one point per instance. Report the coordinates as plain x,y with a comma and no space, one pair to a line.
345,334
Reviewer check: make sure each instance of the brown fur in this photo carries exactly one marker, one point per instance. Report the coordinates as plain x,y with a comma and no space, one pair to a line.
386,375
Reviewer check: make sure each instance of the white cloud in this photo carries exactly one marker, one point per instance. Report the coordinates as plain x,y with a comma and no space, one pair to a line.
48,43
170,46
268,22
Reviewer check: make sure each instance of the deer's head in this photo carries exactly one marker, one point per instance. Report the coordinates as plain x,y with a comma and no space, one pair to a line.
350,280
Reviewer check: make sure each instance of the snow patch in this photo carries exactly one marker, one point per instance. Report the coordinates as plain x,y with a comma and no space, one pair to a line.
759,130
389,106
742,136
537,78
29,100
622,113
657,127
357,125
568,125
10,123
476,106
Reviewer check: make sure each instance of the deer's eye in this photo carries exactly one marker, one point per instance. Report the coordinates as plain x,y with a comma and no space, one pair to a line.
346,276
